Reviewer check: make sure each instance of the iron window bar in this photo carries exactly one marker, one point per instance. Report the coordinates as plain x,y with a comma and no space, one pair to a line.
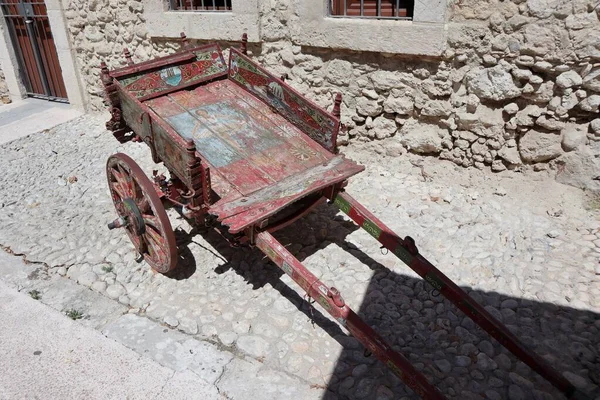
346,9
200,5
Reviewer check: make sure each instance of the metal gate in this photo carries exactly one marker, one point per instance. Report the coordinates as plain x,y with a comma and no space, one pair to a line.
27,22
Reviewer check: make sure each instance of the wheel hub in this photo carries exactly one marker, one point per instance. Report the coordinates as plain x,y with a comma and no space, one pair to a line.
134,218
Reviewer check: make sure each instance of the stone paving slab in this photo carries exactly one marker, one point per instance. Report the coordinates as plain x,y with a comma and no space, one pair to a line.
48,356
526,249
24,117
170,348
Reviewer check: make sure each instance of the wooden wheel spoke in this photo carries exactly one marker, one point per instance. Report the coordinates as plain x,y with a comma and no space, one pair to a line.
155,242
127,182
117,184
143,205
151,220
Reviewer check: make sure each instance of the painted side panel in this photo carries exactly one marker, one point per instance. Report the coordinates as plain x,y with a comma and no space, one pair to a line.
208,64
317,123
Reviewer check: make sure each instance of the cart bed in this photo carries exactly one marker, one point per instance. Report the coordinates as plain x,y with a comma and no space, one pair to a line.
260,162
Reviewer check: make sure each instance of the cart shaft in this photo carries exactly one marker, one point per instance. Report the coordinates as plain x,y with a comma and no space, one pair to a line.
406,250
331,300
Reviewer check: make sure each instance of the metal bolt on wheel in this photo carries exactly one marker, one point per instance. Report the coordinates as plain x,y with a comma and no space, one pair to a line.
141,213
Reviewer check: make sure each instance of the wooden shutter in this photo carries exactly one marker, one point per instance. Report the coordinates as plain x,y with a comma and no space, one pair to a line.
388,8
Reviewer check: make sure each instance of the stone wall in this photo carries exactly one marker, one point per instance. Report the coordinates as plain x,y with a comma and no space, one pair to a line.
4,95
99,31
518,86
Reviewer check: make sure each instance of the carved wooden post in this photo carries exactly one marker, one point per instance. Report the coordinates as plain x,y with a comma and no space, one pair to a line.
104,73
206,189
336,105
185,44
115,124
244,46
128,56
195,172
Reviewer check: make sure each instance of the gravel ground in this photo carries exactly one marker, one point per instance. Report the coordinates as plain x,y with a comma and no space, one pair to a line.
525,247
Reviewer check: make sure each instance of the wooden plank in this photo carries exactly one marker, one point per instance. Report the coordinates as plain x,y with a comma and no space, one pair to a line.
244,212
245,132
219,152
284,127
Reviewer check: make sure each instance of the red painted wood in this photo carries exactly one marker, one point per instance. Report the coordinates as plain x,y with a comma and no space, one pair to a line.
409,255
344,315
242,213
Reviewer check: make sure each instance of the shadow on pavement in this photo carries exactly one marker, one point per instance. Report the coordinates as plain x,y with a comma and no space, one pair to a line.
459,358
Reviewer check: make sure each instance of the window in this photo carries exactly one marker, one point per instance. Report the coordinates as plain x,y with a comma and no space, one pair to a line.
200,5
391,9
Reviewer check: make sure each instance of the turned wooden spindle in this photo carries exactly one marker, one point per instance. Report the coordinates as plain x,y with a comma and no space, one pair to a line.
336,105
128,56
103,71
244,46
185,44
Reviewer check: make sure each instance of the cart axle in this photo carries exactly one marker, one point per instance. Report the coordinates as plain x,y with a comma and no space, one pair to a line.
120,222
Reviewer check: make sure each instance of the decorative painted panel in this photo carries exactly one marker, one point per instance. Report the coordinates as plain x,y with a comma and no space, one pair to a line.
209,64
317,123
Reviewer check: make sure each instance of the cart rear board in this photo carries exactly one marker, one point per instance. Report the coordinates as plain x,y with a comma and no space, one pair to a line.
248,153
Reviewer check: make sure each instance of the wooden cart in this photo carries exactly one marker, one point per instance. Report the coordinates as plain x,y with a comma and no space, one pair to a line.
248,155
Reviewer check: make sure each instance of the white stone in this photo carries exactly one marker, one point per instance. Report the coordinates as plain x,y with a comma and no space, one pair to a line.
386,80
568,79
573,136
595,126
254,345
511,108
550,124
542,8
87,278
580,169
592,81
591,103
368,107
383,127
436,108
338,72
114,291
399,105
537,146
422,138
492,83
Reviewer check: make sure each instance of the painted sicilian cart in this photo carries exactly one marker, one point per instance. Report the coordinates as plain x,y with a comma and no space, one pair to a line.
248,155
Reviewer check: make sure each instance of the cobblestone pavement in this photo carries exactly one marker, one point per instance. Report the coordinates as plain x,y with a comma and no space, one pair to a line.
526,248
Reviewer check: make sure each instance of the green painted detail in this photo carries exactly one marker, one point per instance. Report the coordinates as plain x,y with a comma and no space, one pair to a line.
287,268
342,204
323,302
403,255
434,281
373,229
395,369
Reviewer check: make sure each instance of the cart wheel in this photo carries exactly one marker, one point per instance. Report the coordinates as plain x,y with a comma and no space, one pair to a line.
141,213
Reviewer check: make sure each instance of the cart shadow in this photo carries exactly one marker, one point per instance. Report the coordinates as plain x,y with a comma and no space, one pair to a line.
431,332
418,323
